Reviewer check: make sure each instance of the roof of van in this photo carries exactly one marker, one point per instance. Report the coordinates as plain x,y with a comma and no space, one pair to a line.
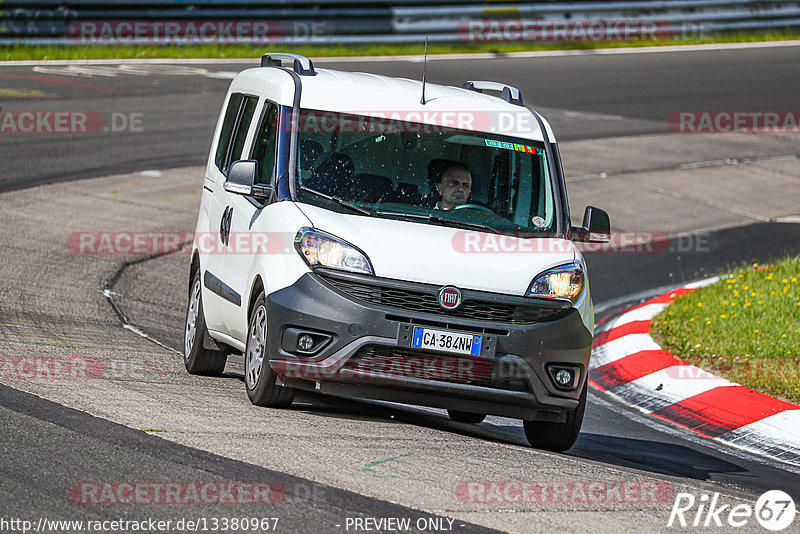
399,98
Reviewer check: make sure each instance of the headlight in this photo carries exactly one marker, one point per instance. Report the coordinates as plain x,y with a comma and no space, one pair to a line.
321,249
563,282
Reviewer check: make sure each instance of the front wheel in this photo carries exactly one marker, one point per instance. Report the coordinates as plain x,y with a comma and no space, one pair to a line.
557,437
198,359
260,380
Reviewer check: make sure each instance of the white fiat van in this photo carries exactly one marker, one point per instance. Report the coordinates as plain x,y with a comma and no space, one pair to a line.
384,238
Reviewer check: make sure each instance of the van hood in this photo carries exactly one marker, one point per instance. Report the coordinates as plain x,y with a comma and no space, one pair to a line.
443,255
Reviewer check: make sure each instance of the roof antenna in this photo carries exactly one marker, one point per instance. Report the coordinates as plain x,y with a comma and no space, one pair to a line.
424,71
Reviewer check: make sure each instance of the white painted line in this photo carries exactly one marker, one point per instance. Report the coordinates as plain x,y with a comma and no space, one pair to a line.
686,166
605,327
776,437
661,389
683,435
433,57
585,177
783,426
645,313
619,348
641,297
587,115
146,336
702,283
674,389
779,434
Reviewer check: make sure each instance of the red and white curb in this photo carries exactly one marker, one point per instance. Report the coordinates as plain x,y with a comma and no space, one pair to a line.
629,365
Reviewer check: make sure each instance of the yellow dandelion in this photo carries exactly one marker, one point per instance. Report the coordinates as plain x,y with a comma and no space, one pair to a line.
699,304
723,316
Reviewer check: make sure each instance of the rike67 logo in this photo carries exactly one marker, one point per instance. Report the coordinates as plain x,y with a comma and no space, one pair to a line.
774,510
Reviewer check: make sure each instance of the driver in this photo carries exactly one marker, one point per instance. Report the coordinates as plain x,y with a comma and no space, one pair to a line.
455,187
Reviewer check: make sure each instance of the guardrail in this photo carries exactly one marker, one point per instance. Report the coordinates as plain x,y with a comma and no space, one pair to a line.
72,22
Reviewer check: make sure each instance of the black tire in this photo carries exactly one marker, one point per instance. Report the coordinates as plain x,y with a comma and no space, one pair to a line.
259,378
557,437
198,359
466,417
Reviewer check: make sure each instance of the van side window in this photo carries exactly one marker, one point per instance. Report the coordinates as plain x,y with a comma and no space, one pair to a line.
243,125
265,144
228,123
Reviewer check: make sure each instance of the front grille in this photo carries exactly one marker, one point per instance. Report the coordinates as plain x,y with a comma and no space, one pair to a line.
377,361
426,300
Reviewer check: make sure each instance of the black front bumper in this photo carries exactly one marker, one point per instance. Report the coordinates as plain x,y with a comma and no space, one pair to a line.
360,350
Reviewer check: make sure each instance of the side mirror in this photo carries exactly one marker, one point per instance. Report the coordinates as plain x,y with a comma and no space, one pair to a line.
241,179
596,226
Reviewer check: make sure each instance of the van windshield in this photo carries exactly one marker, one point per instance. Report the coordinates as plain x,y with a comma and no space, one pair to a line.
425,173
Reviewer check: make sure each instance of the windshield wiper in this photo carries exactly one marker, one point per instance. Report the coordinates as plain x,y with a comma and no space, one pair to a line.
340,201
436,218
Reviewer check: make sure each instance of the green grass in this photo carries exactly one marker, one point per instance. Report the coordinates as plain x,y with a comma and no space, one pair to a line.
745,327
26,52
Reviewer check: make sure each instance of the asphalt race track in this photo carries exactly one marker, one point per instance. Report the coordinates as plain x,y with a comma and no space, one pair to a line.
330,464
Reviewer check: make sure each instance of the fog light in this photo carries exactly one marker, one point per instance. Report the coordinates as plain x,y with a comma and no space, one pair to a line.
563,378
305,342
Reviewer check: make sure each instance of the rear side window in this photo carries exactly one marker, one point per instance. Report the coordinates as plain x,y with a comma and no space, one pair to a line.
265,144
237,121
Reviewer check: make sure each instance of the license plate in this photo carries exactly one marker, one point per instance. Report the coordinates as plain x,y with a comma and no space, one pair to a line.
445,341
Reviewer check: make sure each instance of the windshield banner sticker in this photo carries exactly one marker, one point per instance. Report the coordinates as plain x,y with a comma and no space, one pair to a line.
513,146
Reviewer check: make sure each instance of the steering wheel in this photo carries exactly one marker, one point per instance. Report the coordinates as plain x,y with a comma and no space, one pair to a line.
473,207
